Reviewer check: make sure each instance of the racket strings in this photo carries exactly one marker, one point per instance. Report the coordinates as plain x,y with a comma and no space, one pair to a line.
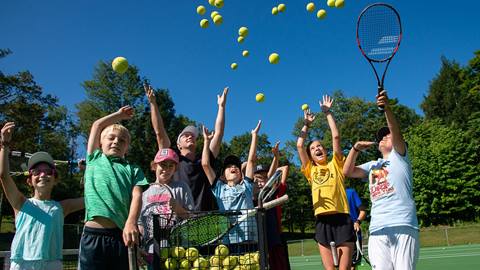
200,231
379,32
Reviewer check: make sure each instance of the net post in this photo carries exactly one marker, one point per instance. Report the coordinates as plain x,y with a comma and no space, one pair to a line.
262,238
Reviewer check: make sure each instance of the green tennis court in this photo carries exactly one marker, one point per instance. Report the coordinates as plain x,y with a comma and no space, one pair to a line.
437,258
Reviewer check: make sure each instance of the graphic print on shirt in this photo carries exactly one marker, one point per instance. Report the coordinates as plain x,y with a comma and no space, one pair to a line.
321,176
378,183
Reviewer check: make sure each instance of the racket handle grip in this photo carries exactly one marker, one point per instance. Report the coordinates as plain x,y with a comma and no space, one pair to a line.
380,108
132,258
276,202
333,248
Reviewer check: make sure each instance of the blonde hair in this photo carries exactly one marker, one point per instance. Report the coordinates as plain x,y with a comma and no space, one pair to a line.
123,131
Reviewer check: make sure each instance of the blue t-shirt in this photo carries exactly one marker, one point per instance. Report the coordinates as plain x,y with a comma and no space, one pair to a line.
390,184
238,197
354,203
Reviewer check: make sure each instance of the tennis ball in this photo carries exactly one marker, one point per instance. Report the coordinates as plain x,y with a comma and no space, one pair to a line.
216,268
243,31
245,53
274,58
201,10
331,3
310,7
218,3
230,262
178,252
256,255
213,14
191,254
222,251
211,2
218,19
339,3
171,263
233,66
120,64
184,264
304,107
204,23
200,263
321,14
260,97
215,261
281,7
274,11
240,39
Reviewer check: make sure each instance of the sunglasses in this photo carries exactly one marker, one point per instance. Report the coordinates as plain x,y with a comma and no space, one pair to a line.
47,171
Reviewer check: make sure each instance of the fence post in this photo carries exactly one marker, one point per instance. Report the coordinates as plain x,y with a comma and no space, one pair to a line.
446,236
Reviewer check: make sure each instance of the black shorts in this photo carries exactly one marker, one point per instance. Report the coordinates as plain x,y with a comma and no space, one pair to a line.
336,228
102,249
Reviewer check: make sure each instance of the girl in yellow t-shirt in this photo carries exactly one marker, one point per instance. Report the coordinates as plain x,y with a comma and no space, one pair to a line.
333,223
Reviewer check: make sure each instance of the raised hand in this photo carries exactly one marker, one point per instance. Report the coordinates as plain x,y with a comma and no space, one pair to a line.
207,136
149,92
222,99
363,145
326,104
308,117
382,99
257,128
126,112
275,151
7,131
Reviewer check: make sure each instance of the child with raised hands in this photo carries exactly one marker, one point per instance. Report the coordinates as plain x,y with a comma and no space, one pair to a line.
113,195
38,240
236,193
333,223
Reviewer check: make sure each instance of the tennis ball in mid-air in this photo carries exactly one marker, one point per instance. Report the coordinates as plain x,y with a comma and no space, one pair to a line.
204,23
331,3
240,39
305,107
191,254
243,31
171,263
178,252
281,7
310,7
201,10
233,66
222,251
184,264
213,14
245,53
274,11
211,2
218,19
215,261
120,64
218,3
260,97
321,14
274,58
339,3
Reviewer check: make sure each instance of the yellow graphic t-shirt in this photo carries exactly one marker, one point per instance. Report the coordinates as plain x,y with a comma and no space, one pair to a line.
328,189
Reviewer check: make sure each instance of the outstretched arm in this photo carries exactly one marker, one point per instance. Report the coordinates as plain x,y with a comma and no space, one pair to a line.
349,168
285,170
219,123
160,133
207,168
252,153
274,164
308,118
14,196
123,113
397,139
326,105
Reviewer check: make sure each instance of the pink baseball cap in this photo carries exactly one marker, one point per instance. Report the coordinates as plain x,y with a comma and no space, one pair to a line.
166,154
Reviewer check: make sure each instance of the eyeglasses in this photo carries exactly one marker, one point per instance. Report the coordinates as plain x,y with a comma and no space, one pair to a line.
47,171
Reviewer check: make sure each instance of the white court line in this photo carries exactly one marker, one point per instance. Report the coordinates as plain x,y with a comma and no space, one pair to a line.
449,256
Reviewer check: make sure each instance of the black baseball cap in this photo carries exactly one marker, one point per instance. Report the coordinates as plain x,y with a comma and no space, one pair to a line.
260,168
232,160
40,157
382,132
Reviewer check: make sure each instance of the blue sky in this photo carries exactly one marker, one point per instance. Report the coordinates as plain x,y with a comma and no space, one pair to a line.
60,42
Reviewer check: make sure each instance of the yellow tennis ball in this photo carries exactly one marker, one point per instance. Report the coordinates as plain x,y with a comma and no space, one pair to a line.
218,3
245,53
281,7
240,39
218,19
321,14
233,66
230,262
171,263
201,10
243,31
260,97
215,261
331,3
200,263
274,58
184,264
213,14
304,107
256,255
120,64
274,11
178,252
222,251
211,2
339,3
310,7
191,254
204,23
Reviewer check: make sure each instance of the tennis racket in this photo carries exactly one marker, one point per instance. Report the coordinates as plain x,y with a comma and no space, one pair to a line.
270,187
158,197
359,250
379,32
132,258
208,229
333,248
